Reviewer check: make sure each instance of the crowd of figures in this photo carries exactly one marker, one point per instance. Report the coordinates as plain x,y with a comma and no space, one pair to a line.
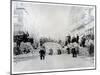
71,45
74,43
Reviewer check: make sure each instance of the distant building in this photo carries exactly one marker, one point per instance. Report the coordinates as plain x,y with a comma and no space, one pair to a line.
86,25
18,13
17,17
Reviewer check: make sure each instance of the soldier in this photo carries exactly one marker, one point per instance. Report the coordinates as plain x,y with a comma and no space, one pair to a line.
74,52
66,42
69,39
83,41
68,50
77,39
59,51
42,53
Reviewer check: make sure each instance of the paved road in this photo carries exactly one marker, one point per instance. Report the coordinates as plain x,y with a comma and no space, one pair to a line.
63,61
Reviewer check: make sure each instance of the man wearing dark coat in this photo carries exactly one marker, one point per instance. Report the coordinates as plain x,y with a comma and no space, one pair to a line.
42,53
77,39
74,52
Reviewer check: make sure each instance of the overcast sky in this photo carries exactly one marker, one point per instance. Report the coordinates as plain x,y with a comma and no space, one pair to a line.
53,20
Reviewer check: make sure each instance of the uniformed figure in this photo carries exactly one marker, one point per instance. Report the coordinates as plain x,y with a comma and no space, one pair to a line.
59,51
83,41
69,39
74,52
42,53
77,39
66,42
68,50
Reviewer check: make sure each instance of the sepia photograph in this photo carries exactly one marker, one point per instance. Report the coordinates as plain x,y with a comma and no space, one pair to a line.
52,37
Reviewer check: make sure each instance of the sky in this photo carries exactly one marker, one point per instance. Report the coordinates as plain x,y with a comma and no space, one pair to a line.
53,20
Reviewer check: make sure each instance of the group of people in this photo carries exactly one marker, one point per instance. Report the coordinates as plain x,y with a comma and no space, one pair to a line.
42,52
72,45
73,49
84,41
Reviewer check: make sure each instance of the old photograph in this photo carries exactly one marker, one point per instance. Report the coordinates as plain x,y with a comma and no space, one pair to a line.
50,37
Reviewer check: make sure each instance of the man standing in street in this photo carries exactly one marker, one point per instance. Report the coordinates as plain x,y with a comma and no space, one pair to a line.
42,53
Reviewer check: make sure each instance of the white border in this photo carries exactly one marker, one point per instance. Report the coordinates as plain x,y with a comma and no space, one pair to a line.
71,69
